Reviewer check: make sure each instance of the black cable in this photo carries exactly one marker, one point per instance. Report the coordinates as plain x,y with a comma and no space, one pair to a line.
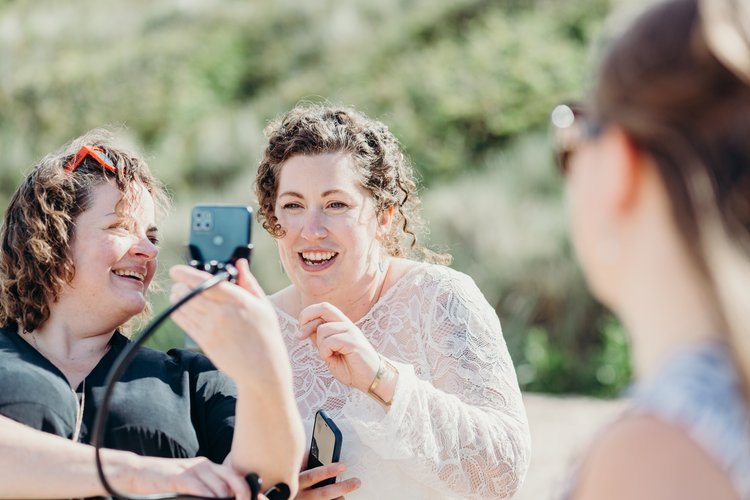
120,365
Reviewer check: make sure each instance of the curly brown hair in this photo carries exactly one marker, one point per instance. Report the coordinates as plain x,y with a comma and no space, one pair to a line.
313,129
39,226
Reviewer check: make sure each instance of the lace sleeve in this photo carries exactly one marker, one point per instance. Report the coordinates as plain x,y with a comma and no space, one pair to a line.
461,424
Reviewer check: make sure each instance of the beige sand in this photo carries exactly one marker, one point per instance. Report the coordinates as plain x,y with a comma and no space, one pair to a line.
561,429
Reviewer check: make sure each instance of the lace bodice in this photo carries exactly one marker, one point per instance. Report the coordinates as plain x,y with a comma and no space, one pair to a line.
457,427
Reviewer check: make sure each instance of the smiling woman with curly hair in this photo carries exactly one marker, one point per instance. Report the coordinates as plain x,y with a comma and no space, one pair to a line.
79,251
404,353
40,226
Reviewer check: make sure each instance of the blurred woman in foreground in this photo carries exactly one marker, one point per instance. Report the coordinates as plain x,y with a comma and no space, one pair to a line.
79,250
658,176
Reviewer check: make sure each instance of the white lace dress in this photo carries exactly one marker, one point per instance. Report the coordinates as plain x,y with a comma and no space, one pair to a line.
457,427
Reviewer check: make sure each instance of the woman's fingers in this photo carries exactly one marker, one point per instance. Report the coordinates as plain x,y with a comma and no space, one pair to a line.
178,291
192,485
324,311
188,275
237,484
309,328
335,344
219,480
321,331
246,279
315,475
215,485
191,278
336,490
195,476
350,357
334,337
329,338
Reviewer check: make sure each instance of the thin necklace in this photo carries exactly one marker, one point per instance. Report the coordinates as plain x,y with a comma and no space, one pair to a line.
79,404
79,410
36,346
33,339
382,286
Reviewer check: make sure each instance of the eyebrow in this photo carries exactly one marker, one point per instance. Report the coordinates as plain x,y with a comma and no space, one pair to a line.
151,229
325,193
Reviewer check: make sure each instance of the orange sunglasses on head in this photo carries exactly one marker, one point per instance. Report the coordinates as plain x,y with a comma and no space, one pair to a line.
90,152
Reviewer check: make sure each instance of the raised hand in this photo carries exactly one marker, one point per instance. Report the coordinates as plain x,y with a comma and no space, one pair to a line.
235,326
349,355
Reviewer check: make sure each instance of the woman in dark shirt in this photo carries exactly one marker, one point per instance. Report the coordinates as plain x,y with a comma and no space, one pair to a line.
79,248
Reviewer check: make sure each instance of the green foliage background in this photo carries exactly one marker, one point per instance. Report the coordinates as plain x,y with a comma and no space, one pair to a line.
466,85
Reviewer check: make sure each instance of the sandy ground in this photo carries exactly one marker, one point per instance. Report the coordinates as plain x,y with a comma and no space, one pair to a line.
561,429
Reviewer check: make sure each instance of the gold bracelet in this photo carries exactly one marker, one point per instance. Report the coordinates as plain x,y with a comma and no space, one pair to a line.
384,365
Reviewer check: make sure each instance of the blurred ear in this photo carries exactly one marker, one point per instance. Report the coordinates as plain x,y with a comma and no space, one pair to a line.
625,165
385,219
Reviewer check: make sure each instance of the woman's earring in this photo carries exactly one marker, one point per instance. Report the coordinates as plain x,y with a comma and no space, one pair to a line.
381,265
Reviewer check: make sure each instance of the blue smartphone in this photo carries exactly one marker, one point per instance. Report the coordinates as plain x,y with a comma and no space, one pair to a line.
325,447
219,234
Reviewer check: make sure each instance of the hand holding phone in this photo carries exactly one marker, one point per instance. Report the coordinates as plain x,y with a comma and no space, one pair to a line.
325,447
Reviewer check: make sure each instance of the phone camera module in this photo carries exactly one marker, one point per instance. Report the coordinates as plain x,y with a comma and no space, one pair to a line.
202,221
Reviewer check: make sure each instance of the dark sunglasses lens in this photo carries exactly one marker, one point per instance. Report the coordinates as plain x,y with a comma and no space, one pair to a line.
564,134
562,157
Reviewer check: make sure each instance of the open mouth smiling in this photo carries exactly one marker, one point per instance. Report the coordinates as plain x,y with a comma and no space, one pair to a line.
130,275
317,259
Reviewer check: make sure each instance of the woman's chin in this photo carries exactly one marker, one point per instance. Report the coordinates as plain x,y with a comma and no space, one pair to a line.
131,308
316,289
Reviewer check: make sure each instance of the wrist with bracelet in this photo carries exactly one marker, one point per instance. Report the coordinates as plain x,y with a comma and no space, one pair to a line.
385,368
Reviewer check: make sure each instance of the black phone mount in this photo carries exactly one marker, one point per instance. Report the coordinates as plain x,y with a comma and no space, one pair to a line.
195,259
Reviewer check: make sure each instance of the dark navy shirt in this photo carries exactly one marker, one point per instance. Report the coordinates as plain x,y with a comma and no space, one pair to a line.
174,404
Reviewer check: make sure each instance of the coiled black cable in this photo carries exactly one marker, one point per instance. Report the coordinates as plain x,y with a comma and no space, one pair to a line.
118,368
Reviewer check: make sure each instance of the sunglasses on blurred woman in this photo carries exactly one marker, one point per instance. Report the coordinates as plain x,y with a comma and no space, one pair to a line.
571,127
725,37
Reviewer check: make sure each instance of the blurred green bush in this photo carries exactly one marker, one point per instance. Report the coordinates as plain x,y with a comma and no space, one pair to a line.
506,227
465,84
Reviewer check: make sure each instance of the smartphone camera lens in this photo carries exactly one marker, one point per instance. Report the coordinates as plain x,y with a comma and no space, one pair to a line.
202,221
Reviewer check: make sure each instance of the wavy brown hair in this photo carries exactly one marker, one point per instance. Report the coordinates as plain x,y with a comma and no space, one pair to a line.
386,173
39,226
